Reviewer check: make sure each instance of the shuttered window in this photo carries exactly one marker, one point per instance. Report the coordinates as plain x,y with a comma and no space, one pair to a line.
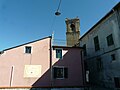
60,72
110,40
96,43
85,52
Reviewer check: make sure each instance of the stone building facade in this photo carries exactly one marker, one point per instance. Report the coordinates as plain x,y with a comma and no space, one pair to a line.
102,51
72,31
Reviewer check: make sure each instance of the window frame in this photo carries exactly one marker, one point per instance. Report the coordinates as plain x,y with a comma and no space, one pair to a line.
26,48
63,76
110,40
96,43
61,53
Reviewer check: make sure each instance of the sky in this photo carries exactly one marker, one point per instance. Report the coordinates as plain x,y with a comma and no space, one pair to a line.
22,21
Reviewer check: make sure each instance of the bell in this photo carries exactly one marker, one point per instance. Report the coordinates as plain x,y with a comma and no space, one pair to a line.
57,13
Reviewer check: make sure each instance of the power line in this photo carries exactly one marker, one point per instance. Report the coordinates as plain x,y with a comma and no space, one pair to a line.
59,5
52,24
57,13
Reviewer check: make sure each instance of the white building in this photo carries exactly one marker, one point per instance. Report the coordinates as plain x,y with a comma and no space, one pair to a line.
102,50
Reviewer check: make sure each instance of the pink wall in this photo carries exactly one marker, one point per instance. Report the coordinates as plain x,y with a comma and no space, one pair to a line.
72,60
17,59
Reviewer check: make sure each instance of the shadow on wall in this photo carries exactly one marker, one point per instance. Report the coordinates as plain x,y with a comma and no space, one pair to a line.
75,78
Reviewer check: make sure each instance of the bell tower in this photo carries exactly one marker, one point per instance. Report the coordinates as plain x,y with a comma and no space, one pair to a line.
72,31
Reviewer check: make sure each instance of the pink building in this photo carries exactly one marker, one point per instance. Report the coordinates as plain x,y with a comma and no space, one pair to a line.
38,64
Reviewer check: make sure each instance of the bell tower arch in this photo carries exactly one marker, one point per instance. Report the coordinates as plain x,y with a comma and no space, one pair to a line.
72,31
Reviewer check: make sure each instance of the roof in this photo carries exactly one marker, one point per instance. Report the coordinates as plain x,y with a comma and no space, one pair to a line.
109,13
66,47
27,43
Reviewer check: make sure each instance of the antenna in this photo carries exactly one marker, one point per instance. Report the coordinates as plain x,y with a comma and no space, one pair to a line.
53,35
52,38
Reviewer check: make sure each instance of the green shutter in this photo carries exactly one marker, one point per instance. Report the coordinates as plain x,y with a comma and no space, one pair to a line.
65,72
54,72
96,43
110,40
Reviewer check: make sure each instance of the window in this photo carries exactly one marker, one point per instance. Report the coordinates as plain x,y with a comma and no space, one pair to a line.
28,49
84,47
60,72
117,82
99,64
72,26
59,53
113,57
96,43
110,40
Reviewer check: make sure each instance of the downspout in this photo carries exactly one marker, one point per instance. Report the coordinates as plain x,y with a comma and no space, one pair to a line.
51,78
83,70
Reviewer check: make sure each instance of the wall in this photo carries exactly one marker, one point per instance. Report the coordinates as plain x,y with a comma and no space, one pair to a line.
19,69
74,65
109,70
42,89
13,61
72,59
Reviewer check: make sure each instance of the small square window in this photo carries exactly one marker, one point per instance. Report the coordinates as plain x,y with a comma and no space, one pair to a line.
28,49
59,53
113,57
60,72
110,40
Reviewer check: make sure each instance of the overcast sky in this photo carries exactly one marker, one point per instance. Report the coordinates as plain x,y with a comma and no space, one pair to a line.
23,21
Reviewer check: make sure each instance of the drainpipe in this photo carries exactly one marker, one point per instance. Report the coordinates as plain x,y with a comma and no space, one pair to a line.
83,70
51,78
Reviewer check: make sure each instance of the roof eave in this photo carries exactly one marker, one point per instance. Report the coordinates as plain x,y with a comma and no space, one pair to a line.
109,13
